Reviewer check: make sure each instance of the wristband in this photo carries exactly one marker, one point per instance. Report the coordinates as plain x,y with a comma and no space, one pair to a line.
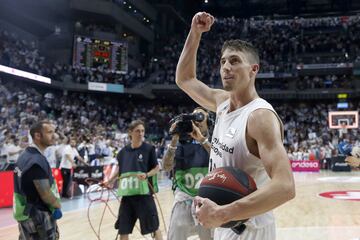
57,214
171,147
205,141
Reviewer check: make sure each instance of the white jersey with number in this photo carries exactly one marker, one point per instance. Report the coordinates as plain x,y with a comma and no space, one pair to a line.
229,148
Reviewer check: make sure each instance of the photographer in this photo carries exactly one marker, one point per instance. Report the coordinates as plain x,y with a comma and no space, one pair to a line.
189,158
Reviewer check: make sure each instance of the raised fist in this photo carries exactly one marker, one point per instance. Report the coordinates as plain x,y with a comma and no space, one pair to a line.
202,22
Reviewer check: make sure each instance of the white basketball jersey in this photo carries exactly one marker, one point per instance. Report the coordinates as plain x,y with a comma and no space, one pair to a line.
229,148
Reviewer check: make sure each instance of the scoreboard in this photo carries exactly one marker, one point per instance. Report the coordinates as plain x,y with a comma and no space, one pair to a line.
93,53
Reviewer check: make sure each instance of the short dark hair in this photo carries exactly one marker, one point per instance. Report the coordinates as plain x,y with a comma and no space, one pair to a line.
38,127
242,46
134,124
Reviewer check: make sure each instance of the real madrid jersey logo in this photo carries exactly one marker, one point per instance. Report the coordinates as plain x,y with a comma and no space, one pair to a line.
140,157
231,132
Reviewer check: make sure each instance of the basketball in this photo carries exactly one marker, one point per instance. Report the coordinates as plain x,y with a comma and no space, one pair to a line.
225,185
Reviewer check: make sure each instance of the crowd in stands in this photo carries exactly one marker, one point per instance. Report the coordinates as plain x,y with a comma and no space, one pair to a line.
307,132
25,55
286,40
329,81
282,44
100,126
78,116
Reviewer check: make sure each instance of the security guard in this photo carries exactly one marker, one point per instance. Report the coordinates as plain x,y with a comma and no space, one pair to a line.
36,198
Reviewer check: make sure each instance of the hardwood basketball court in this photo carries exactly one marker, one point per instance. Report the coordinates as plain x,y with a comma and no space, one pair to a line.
309,216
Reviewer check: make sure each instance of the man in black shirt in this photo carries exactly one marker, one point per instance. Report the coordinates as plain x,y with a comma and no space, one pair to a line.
36,198
137,169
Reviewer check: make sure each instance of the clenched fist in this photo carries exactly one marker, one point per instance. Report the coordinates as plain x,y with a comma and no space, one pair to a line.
202,22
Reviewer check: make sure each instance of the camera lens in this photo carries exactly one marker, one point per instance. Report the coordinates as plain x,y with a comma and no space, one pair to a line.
199,117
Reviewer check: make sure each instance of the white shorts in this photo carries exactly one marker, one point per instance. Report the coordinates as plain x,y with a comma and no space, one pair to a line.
267,233
258,228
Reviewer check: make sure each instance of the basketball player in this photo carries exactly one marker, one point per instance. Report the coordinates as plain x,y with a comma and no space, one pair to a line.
190,162
36,197
137,167
247,135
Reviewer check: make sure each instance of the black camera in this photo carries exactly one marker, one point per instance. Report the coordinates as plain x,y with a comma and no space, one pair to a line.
184,123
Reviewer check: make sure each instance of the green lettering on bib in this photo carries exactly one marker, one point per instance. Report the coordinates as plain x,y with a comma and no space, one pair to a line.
189,180
130,185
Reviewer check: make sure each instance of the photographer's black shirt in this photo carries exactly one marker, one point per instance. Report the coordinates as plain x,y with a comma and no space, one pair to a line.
191,166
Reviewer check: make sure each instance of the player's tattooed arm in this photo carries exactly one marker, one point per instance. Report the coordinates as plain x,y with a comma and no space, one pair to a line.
168,159
43,188
207,145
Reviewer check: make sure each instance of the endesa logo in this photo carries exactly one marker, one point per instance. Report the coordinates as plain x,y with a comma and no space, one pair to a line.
350,195
305,166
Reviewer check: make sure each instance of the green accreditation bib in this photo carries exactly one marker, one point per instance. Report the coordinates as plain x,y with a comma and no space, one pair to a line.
55,191
20,203
189,180
130,185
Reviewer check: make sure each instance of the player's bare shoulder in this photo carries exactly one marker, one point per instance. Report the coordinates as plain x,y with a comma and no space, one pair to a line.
220,96
263,122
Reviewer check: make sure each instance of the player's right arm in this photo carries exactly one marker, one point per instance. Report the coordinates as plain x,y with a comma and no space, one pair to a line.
186,69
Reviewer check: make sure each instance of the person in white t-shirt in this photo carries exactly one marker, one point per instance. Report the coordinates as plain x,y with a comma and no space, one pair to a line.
63,142
50,154
13,150
91,151
69,154
249,126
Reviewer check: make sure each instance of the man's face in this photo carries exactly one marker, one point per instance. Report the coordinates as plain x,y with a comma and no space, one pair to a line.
48,136
11,141
235,70
72,143
203,124
137,134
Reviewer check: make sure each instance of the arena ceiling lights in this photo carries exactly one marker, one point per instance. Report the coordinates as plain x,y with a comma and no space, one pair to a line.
20,73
